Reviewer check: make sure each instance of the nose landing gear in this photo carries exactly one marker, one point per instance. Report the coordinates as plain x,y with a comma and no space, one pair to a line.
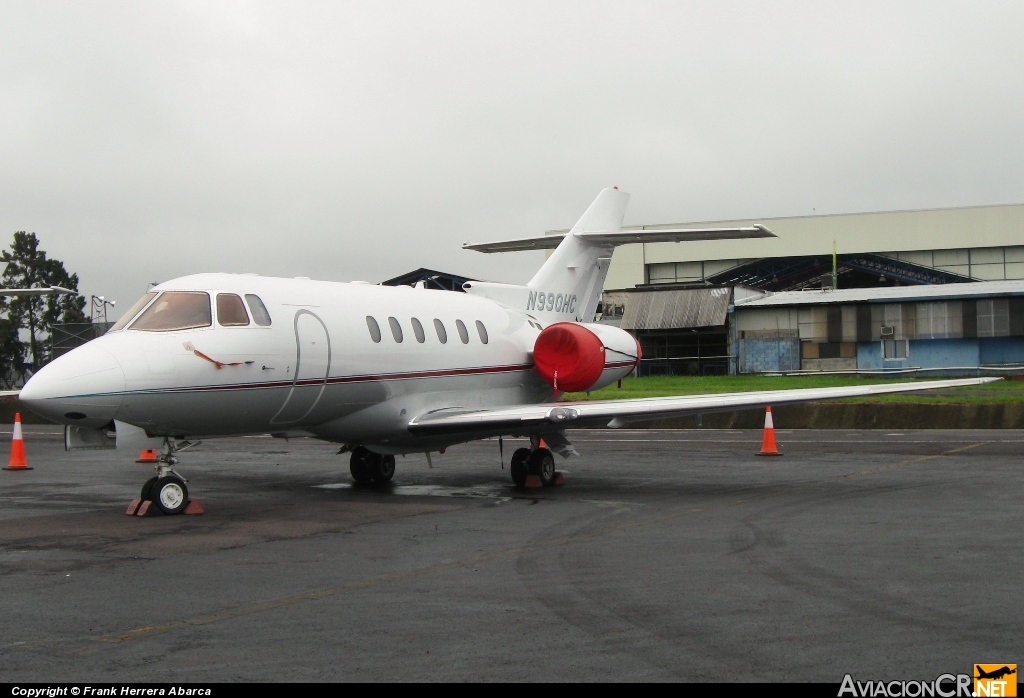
166,492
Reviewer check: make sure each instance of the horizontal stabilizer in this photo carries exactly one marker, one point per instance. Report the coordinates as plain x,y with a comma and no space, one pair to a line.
624,237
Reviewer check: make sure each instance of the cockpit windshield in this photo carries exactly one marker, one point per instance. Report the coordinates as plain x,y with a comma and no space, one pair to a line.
132,312
176,310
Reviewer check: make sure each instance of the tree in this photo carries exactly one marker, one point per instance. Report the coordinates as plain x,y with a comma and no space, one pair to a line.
12,355
29,267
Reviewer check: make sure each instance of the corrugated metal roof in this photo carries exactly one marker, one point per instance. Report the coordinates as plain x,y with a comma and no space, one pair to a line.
666,310
891,294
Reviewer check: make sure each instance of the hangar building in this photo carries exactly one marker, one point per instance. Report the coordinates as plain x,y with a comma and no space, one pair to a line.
925,289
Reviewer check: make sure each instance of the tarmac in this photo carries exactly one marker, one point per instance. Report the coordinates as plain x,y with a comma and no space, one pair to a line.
668,555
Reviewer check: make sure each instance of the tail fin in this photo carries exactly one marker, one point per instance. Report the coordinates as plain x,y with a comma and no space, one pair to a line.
569,284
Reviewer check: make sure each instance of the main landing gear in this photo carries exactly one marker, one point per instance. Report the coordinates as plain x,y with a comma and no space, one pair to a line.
537,461
367,466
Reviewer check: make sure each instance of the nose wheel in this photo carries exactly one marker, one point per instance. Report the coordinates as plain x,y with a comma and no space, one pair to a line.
165,492
170,494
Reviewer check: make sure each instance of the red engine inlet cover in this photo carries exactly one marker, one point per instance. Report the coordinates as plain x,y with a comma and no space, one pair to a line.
569,357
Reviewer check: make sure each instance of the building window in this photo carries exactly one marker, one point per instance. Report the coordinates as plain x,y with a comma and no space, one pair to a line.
994,317
939,320
895,349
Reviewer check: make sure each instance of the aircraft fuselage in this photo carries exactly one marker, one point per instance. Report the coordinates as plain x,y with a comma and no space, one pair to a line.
319,366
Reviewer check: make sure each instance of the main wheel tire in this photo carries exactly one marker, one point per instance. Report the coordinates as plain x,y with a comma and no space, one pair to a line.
359,465
542,463
147,489
383,468
519,467
170,494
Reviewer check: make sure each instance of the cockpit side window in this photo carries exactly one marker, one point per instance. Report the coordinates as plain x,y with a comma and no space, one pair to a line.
231,310
176,310
133,311
259,311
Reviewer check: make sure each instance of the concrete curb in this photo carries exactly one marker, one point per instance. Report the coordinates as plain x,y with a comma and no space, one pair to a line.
832,415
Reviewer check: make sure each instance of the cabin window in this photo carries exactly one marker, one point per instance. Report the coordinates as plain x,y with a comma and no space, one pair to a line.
417,329
442,333
374,328
133,311
259,311
396,329
482,331
463,332
176,310
231,310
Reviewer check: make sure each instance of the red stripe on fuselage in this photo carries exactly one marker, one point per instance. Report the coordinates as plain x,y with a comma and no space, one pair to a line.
350,379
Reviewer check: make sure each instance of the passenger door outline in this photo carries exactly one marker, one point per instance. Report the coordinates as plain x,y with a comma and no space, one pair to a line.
294,408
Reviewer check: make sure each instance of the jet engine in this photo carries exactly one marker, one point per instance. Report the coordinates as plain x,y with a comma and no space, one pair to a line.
577,357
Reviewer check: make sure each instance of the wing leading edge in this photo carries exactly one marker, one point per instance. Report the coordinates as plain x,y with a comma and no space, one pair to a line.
538,419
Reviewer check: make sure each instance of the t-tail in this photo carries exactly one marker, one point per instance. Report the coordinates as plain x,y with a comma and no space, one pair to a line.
568,286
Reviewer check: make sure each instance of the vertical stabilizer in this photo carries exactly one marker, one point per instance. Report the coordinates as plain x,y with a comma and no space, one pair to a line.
569,284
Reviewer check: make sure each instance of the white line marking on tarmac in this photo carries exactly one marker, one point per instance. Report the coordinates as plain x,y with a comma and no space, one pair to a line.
757,439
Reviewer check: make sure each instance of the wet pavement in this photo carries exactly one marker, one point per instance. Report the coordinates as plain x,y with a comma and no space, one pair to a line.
668,555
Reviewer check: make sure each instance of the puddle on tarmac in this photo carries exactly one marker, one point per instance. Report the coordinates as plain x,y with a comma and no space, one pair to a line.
498,492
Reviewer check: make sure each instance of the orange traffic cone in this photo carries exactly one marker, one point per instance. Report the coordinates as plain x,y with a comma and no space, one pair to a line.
17,461
768,447
147,455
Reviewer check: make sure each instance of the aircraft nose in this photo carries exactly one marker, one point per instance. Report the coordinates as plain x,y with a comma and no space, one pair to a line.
84,387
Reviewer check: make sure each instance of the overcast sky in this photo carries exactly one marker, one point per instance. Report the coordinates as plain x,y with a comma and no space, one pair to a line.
146,140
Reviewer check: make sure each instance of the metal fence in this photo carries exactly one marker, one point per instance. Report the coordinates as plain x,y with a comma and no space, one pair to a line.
68,336
685,366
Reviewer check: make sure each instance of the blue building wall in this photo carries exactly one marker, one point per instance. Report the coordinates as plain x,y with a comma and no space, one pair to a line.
932,353
769,355
942,353
1002,350
869,357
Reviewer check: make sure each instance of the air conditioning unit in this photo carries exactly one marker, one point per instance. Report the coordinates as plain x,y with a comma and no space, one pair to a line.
887,331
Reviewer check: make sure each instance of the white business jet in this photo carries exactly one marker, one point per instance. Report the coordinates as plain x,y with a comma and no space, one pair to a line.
381,370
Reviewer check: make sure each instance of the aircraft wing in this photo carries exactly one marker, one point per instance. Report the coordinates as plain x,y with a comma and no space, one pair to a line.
625,237
35,291
9,393
538,419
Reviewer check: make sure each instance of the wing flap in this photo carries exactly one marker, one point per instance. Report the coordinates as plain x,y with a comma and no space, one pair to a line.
535,419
